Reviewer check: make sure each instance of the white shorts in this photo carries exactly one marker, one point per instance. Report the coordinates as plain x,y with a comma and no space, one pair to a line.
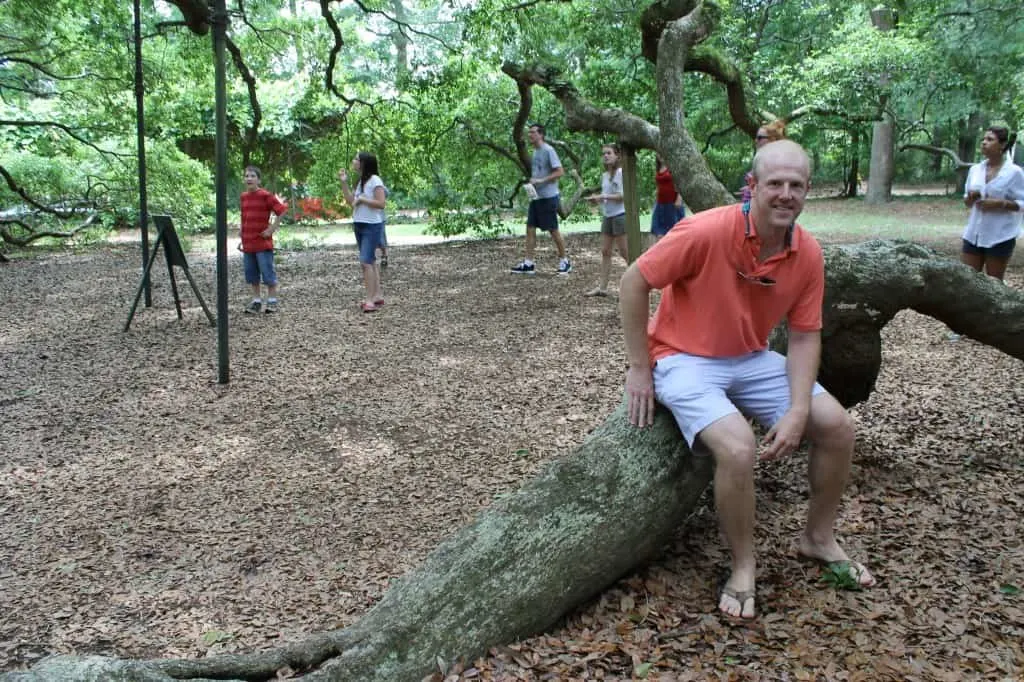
699,391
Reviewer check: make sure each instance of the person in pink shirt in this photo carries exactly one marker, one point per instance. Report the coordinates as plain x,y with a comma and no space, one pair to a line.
728,276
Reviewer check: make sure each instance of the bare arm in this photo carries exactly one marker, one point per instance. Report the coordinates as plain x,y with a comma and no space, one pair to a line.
345,190
802,358
275,222
379,199
997,205
555,174
634,307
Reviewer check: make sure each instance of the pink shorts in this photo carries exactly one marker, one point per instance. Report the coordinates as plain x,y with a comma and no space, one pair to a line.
699,391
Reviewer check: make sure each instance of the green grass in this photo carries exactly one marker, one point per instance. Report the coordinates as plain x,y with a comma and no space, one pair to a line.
908,217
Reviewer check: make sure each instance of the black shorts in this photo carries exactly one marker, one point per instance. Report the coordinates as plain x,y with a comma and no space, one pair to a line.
543,214
1000,250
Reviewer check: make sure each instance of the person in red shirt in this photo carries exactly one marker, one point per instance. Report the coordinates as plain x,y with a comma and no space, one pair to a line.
668,205
261,215
728,276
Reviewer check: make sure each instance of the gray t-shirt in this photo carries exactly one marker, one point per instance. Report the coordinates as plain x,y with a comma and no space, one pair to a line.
545,160
611,183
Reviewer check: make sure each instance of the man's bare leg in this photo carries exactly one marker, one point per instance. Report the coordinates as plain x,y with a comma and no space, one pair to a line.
732,444
830,429
531,242
559,243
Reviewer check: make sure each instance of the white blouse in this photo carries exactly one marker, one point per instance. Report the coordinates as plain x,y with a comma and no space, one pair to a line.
988,228
367,214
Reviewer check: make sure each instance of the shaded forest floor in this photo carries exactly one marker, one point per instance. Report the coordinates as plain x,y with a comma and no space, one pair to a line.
148,511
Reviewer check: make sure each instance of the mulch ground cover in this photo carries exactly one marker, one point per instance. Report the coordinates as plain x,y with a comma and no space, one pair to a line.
148,511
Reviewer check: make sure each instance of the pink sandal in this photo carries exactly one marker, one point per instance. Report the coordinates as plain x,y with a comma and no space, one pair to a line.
369,308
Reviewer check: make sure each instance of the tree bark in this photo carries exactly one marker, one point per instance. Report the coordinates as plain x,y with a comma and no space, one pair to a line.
595,515
883,138
880,172
853,170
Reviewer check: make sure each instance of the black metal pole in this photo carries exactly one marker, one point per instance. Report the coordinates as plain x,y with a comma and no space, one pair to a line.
220,20
140,125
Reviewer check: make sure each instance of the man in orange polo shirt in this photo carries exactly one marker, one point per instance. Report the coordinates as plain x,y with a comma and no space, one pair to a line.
728,276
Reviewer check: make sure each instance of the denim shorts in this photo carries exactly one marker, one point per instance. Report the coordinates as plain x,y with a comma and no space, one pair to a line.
543,214
699,391
257,264
1000,250
369,236
664,217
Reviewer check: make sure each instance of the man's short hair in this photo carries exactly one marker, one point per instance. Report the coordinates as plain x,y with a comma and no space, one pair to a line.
539,127
255,170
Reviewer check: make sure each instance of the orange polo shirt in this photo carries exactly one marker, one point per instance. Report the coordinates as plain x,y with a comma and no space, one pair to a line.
707,308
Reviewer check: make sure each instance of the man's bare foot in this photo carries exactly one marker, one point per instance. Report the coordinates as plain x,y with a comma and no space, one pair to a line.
737,603
738,595
831,555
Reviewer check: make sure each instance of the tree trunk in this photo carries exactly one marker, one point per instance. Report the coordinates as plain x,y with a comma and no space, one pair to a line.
853,170
880,172
967,145
595,515
883,137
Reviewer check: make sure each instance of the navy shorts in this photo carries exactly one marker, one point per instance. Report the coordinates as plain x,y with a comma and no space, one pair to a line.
1000,250
260,264
368,237
543,214
664,217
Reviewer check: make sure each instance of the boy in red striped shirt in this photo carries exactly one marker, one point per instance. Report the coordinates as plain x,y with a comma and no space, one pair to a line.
261,215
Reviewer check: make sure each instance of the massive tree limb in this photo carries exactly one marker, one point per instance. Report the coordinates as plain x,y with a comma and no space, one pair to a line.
593,516
197,15
702,188
693,177
658,17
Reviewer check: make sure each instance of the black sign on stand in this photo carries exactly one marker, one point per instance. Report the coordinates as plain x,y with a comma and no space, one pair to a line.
174,255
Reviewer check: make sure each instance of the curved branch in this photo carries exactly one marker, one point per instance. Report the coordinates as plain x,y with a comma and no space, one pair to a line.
332,56
580,114
34,234
713,63
476,139
252,133
519,125
694,180
653,22
37,66
819,110
67,130
28,199
958,164
527,4
404,26
197,15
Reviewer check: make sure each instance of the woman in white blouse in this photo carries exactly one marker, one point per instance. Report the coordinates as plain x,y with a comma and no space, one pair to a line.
995,195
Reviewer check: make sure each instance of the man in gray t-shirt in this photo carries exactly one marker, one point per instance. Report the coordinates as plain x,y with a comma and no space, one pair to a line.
546,168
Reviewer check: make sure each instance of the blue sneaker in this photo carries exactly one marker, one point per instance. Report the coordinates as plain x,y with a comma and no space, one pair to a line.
524,269
564,266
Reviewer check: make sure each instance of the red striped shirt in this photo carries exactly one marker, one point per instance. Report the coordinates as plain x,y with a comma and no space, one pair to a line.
256,208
